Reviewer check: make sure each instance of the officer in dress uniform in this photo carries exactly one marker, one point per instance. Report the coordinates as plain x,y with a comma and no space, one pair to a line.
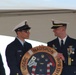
67,50
2,70
16,49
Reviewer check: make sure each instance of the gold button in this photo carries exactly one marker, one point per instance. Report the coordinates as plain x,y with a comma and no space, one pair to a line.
73,52
20,55
17,74
72,60
74,71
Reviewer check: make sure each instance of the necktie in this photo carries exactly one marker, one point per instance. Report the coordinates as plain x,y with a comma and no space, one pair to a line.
24,44
62,43
24,47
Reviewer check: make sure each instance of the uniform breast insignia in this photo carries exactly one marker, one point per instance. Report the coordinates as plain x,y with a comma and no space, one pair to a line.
70,50
41,60
54,46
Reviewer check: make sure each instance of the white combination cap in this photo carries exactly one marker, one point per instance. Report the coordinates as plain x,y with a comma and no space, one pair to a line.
22,26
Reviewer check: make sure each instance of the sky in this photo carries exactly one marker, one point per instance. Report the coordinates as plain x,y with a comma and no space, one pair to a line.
38,4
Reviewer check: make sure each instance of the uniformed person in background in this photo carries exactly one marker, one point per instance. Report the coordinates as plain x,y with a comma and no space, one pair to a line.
16,49
65,46
2,70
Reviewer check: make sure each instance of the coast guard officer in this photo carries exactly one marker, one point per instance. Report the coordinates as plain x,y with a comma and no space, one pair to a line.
16,49
65,46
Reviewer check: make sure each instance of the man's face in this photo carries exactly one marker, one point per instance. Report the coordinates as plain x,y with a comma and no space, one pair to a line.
24,34
58,31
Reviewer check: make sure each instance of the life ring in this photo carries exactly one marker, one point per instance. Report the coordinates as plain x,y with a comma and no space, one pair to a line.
41,60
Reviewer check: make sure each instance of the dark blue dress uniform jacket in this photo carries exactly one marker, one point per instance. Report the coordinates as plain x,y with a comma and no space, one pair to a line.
67,69
14,53
2,70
